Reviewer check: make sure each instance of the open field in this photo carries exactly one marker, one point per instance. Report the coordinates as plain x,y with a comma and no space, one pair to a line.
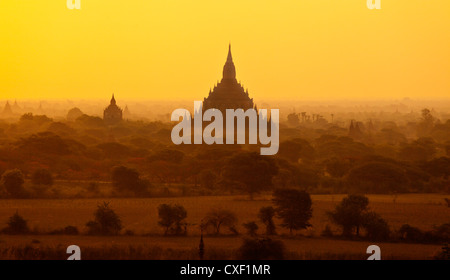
140,215
151,247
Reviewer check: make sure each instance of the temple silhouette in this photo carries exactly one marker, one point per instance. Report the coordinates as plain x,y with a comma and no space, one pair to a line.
112,114
228,94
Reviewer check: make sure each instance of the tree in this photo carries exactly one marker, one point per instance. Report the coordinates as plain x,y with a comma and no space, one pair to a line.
126,179
252,170
171,218
16,225
293,207
266,215
13,181
41,179
207,179
106,221
251,228
377,177
349,214
296,149
220,217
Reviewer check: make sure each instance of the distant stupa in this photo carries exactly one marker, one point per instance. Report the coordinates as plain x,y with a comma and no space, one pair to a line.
16,108
126,113
229,93
7,111
40,110
112,114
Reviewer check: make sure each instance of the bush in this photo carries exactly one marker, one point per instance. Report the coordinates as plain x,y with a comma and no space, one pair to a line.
13,181
377,228
16,225
410,234
251,228
444,254
262,249
127,180
327,232
442,233
266,215
106,221
68,230
171,218
42,177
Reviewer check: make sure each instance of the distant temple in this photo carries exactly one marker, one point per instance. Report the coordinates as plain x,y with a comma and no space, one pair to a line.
126,113
112,114
228,94
355,130
7,109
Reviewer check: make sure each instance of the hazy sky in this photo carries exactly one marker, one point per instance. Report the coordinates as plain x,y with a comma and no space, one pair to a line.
167,49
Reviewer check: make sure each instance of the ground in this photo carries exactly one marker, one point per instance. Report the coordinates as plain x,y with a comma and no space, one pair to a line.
140,216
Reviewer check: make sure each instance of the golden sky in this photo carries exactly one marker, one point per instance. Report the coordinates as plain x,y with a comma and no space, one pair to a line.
167,49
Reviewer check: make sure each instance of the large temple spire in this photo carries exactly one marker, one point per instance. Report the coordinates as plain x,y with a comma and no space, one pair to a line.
229,71
229,58
113,100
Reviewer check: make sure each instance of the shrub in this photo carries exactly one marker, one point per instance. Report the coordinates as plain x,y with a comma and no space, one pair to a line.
327,232
13,181
444,254
262,249
410,234
251,228
127,180
377,228
442,233
71,230
42,177
106,221
68,230
266,215
16,225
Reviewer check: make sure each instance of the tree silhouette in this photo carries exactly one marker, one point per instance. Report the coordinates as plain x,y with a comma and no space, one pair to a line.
293,207
16,225
350,213
220,217
106,221
252,170
171,218
127,180
266,215
13,181
251,228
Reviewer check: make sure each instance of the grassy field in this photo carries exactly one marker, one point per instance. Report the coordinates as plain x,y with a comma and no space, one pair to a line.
156,247
140,215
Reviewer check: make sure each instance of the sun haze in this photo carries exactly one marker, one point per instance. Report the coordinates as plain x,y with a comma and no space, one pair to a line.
283,49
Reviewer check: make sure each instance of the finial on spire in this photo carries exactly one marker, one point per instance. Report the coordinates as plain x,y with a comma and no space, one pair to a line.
229,57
